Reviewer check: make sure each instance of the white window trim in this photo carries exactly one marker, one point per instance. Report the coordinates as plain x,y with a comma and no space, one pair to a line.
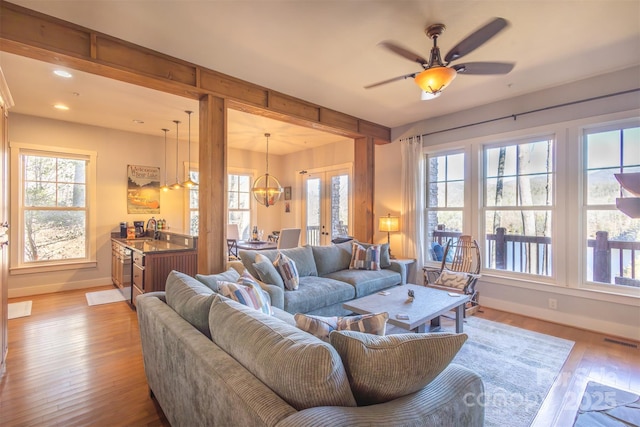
16,264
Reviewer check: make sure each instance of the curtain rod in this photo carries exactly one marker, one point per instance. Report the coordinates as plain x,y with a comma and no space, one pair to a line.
515,116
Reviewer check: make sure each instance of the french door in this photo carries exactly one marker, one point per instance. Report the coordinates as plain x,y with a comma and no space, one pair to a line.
327,205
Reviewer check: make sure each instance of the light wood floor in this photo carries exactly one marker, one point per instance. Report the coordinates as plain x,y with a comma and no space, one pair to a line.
70,365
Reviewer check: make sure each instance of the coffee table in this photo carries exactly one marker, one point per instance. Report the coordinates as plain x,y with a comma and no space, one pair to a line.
427,305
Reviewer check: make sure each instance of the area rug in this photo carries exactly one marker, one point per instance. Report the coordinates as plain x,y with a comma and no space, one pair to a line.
518,367
606,406
108,296
19,309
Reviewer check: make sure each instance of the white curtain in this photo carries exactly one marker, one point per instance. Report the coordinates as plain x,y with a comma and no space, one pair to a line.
413,204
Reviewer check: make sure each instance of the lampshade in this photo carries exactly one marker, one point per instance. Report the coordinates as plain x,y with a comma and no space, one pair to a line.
389,223
189,183
434,80
267,189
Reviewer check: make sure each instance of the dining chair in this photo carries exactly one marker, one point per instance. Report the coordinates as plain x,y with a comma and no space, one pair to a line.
233,235
289,238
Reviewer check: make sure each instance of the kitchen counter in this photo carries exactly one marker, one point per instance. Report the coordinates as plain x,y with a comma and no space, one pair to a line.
152,246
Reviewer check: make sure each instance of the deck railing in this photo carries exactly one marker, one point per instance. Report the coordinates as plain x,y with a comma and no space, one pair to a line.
613,261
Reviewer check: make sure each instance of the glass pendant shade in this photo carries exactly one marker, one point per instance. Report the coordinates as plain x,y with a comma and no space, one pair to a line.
165,187
434,80
267,189
189,183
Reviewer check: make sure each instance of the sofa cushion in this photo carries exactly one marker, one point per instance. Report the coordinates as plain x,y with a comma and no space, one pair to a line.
300,368
332,257
288,271
267,271
316,292
367,282
248,292
211,280
381,369
365,258
189,298
385,255
302,256
321,327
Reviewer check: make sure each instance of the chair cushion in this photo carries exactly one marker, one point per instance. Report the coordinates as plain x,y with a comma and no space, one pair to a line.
303,370
211,280
191,299
381,369
332,257
453,279
288,271
247,291
267,271
321,327
365,258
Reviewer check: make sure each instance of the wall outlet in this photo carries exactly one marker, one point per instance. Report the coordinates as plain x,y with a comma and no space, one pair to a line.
553,303
168,237
186,242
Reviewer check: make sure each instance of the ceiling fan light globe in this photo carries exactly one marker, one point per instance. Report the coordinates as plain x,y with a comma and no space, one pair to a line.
434,80
428,96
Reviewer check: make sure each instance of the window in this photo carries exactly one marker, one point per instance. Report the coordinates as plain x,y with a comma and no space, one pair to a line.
53,199
612,238
239,202
518,204
445,200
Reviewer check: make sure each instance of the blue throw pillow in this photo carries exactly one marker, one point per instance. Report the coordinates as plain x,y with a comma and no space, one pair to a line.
438,252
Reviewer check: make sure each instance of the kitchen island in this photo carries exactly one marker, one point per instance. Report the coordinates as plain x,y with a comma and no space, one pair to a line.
151,260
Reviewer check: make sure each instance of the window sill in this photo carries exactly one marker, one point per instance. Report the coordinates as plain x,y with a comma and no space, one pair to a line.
52,267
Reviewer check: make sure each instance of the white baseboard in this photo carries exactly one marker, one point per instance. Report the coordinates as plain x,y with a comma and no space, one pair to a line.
631,332
57,287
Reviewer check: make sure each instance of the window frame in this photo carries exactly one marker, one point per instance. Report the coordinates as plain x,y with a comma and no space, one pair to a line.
17,263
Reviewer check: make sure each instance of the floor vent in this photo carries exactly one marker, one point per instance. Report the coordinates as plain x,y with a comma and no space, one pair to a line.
626,344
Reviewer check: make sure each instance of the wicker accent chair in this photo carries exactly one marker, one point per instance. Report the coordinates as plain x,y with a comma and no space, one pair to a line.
460,270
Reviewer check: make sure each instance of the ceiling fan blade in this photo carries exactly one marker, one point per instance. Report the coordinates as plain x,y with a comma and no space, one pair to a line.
484,68
404,52
384,82
476,39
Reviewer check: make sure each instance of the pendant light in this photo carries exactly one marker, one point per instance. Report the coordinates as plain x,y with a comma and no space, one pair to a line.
189,183
267,190
165,187
177,185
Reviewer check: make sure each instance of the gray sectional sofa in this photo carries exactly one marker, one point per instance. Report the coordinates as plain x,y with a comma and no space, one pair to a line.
325,278
210,361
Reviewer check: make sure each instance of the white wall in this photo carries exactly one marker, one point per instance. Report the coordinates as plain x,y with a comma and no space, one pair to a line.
582,308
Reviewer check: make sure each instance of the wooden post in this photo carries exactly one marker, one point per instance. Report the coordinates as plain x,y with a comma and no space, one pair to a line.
602,258
501,248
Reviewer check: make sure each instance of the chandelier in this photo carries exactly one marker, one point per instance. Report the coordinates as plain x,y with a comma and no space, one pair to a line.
267,189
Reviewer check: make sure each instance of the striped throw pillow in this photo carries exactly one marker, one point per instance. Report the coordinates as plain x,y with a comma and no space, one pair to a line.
288,270
321,327
247,291
365,258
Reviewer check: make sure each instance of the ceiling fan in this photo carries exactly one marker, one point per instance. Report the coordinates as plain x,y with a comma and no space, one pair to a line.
436,75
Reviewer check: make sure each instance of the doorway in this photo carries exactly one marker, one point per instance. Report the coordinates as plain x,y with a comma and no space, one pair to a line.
327,205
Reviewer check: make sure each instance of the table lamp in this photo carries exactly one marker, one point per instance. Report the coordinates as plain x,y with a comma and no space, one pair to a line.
389,223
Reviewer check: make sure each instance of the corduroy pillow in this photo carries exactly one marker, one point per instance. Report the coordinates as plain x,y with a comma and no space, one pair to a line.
211,280
321,327
190,299
267,271
381,369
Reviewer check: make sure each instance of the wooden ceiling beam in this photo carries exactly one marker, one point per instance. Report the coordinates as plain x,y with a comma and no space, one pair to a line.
35,35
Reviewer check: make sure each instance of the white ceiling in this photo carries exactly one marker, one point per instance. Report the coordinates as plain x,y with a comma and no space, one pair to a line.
326,51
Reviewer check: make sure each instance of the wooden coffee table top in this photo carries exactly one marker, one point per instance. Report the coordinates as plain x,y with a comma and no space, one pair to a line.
428,304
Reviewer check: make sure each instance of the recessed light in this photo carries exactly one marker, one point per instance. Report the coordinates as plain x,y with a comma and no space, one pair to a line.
61,107
63,73
138,122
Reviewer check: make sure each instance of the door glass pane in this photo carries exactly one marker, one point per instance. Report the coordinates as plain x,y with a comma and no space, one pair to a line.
313,211
339,206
